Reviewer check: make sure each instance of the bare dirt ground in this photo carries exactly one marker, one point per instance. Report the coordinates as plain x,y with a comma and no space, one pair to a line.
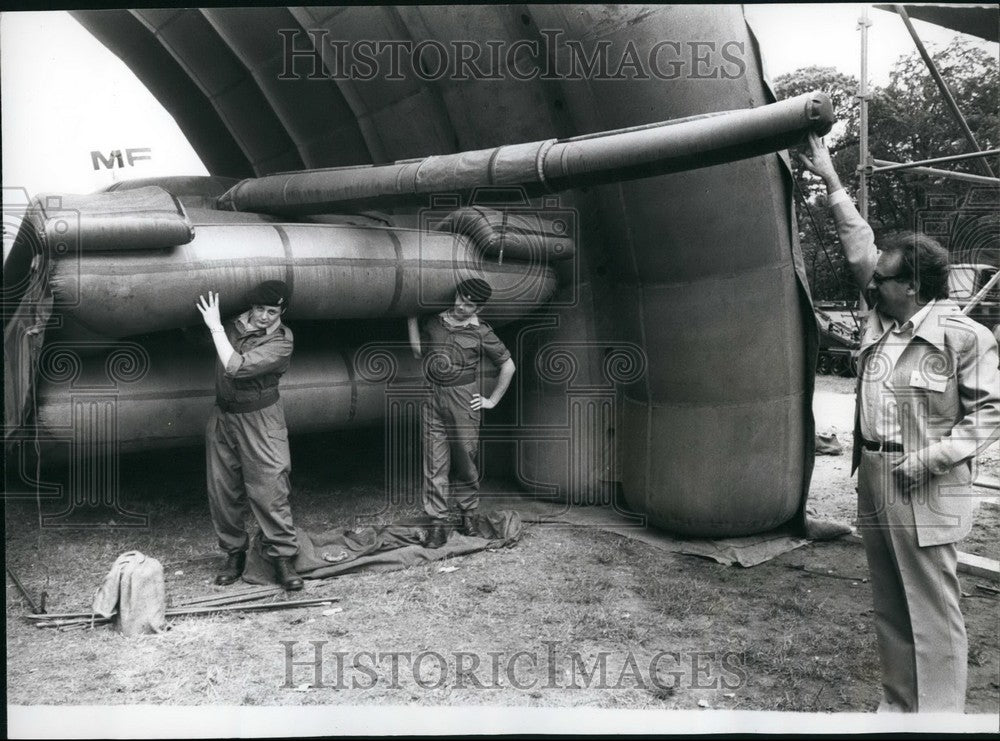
569,617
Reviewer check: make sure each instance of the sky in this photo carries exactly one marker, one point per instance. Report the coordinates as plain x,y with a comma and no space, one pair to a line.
799,35
64,95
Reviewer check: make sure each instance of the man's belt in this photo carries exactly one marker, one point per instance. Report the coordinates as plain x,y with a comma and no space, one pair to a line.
463,379
242,407
882,447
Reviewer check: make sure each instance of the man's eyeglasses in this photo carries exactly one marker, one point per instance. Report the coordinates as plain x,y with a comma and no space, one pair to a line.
880,279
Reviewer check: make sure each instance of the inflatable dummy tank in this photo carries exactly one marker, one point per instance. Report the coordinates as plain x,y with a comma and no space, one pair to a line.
664,342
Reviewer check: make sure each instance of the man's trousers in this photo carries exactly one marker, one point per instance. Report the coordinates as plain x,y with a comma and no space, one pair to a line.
248,462
450,430
918,621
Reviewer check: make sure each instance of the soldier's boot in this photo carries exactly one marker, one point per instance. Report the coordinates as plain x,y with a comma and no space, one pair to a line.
468,526
437,536
285,573
233,569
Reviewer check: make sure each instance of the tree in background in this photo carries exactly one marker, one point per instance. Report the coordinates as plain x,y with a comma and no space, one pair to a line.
825,265
908,120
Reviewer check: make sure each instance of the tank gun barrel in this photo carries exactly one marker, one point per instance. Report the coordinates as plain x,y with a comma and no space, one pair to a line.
546,166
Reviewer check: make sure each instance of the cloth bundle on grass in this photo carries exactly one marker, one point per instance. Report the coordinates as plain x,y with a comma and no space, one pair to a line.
381,548
828,444
134,588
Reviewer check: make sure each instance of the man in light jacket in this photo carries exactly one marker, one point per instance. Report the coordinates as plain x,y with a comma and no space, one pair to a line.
928,403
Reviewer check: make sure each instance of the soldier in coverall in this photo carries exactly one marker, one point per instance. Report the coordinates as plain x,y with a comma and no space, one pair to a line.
455,341
246,441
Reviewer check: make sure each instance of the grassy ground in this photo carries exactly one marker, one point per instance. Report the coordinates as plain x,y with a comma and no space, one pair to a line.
671,631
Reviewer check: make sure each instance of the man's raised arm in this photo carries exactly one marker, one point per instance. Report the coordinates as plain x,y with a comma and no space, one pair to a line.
856,237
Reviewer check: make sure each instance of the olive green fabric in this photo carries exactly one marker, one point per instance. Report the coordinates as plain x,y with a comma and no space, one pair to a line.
248,463
382,548
134,592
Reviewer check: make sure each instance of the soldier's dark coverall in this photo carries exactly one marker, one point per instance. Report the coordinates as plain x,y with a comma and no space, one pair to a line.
246,441
450,426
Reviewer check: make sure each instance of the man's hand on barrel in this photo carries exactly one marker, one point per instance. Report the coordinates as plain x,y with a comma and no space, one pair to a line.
821,163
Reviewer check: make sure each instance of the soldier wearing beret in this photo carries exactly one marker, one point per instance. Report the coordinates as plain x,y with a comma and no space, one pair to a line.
246,441
455,342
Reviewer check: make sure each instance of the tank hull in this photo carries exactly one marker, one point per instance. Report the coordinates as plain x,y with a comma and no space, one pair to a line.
157,394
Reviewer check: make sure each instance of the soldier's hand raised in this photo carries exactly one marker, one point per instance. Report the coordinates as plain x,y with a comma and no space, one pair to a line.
210,310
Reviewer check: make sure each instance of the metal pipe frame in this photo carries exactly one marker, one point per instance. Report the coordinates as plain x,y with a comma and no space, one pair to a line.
864,161
935,172
939,160
942,86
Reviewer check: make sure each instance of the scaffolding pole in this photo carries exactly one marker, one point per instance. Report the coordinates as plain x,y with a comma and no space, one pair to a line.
968,177
864,156
949,99
939,160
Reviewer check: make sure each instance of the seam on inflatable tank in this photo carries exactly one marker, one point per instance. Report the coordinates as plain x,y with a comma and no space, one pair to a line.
397,289
353,379
286,246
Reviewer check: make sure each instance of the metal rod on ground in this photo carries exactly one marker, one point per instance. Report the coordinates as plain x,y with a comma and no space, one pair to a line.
252,608
24,592
192,603
73,621
233,599
180,612
229,595
75,626
62,615
220,600
70,621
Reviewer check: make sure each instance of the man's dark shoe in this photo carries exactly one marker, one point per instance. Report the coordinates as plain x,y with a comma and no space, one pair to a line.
468,526
286,575
233,569
437,536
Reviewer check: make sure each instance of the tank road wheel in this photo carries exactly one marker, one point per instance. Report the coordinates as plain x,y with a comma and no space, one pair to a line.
823,366
838,366
852,369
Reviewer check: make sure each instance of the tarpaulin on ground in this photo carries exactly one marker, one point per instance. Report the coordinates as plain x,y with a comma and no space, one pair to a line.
746,551
381,548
